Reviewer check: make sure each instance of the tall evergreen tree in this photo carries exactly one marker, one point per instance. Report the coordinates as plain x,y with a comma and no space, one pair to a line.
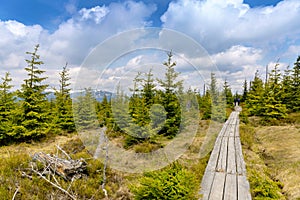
213,89
205,104
272,106
295,103
7,107
135,100
255,96
245,91
218,104
7,99
33,114
228,94
144,99
104,112
171,103
84,110
148,91
63,112
287,89
121,112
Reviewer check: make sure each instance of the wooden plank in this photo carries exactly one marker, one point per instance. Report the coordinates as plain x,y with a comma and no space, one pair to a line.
231,157
217,189
237,128
223,130
233,117
243,188
212,163
241,168
222,160
230,191
231,130
206,184
231,126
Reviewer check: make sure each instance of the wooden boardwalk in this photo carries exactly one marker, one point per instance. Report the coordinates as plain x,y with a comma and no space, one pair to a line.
225,174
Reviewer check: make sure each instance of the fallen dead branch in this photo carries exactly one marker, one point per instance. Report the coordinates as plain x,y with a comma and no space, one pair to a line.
62,167
16,192
58,187
53,166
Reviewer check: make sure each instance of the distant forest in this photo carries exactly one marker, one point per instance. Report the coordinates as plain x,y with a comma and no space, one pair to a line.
26,114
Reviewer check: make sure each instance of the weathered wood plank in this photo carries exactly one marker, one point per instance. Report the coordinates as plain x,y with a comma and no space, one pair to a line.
206,184
243,188
237,128
231,157
222,160
212,163
223,130
216,192
241,168
231,126
230,191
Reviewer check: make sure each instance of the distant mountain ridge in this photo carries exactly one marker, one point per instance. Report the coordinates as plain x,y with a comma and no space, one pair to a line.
98,94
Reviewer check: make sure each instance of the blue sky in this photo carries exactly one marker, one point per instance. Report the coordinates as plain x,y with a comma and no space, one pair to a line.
50,14
240,36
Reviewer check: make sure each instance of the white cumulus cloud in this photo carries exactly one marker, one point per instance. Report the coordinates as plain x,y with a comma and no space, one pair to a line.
72,41
96,13
219,24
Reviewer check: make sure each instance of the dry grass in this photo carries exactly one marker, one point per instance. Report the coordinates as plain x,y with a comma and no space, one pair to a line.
194,159
204,139
280,149
47,146
15,158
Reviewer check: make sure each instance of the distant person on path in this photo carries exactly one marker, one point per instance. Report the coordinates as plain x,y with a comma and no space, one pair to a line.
238,101
235,101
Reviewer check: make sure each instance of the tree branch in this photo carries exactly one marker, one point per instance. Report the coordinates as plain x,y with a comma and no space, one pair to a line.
16,192
53,184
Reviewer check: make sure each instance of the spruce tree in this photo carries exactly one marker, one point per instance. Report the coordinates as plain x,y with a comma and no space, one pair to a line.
7,107
171,103
104,112
287,89
254,101
213,90
228,94
33,114
63,118
218,104
295,103
121,112
139,108
245,91
84,109
205,106
273,108
148,91
135,102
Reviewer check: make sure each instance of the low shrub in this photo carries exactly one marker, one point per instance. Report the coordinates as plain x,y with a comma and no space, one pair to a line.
173,182
263,187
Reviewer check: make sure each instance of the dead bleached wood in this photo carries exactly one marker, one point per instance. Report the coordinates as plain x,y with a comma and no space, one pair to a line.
16,192
54,166
62,167
53,184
